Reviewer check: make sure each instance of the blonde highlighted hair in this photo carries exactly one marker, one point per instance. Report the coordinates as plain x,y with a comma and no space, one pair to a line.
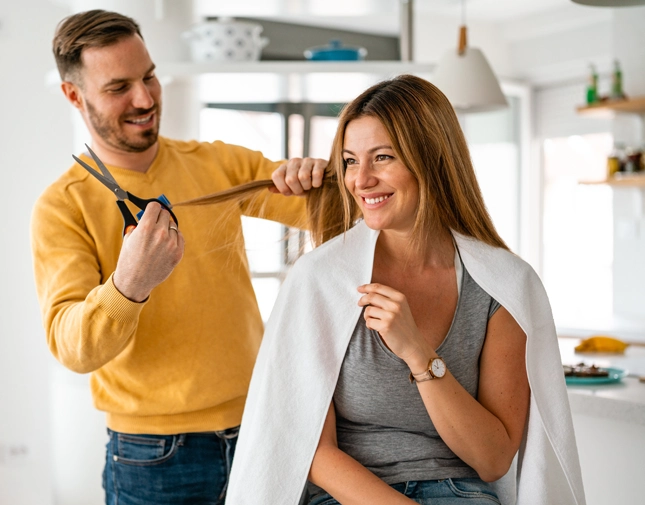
426,135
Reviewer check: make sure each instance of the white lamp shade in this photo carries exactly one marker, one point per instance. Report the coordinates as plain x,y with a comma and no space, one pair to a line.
468,81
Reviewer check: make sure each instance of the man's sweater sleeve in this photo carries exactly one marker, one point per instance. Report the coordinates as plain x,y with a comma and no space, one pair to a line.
87,323
244,165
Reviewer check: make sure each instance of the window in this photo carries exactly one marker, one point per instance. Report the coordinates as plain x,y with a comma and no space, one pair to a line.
309,129
578,231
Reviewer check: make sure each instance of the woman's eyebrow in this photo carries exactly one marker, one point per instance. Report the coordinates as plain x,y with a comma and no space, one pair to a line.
384,146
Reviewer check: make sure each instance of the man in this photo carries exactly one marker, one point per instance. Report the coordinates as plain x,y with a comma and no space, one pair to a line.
170,345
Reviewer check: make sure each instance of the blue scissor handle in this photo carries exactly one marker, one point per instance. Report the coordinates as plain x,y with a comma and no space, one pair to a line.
129,221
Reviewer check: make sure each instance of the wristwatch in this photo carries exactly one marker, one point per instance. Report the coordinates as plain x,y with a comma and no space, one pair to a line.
436,370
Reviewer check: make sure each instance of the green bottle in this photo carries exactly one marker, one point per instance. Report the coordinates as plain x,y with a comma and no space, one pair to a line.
617,83
592,87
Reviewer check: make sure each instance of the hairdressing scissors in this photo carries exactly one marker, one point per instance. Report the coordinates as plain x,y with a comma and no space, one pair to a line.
122,195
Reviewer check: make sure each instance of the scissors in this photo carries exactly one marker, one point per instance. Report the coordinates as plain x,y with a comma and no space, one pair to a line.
121,194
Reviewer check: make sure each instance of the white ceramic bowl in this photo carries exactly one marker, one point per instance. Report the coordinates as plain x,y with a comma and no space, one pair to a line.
225,40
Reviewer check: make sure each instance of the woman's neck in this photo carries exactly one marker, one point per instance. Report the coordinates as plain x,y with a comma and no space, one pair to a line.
398,251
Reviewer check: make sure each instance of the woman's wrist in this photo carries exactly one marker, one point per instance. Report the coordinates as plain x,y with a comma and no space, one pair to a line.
418,361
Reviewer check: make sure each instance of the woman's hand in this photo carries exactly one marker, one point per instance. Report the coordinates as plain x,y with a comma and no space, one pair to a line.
387,311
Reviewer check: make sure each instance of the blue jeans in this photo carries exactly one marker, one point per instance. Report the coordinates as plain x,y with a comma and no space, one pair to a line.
435,492
189,468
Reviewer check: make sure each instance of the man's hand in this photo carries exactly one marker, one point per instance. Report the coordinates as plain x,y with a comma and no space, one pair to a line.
149,254
298,175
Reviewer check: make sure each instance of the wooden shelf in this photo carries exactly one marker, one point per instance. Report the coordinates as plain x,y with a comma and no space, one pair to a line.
631,180
609,108
188,69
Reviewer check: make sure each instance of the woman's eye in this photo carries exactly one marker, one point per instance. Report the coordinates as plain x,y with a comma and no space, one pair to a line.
349,161
382,157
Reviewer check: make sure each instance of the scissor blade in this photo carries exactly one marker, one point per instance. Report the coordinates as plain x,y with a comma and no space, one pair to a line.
111,185
101,166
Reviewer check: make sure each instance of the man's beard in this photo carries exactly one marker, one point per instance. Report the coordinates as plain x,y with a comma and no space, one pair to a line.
116,137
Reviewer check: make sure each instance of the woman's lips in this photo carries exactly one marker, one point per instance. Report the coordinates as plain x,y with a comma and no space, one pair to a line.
376,199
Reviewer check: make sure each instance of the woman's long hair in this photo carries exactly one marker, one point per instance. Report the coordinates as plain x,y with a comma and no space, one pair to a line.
426,135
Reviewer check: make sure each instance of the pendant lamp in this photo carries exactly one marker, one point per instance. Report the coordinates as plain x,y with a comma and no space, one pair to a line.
610,3
467,79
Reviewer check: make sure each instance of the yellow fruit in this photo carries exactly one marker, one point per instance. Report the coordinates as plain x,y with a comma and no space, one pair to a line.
601,343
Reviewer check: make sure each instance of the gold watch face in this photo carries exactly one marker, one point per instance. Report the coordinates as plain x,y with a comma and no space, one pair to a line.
438,367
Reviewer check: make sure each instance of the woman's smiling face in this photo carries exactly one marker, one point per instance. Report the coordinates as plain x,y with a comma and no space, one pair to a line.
384,189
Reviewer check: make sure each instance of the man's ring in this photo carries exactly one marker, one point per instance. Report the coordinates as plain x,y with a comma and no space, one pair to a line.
172,227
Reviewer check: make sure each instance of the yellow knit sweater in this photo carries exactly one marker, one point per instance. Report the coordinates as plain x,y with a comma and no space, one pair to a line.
182,360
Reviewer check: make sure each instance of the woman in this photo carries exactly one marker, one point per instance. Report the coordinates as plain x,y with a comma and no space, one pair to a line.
422,288
464,420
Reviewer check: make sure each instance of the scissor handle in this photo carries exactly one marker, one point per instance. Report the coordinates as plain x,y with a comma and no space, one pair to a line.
129,222
143,203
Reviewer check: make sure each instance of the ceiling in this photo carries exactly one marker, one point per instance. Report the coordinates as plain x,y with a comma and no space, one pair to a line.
382,16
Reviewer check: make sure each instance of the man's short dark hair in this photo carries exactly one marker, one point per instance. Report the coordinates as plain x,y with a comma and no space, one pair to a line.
95,28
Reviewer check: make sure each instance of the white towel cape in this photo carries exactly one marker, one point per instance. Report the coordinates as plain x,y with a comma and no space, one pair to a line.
304,345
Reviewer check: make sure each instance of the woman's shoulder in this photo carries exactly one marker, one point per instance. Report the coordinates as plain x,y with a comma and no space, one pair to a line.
502,274
496,260
339,265
342,250
508,279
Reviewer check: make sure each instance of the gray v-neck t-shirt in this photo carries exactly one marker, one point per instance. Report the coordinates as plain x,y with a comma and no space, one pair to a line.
381,420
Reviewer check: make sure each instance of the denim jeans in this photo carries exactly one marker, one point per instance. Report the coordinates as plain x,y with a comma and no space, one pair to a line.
435,492
189,468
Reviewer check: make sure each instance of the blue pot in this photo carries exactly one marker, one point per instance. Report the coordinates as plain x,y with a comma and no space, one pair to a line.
335,51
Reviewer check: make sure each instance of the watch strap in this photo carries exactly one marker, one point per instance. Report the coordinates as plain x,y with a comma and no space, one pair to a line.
426,375
421,377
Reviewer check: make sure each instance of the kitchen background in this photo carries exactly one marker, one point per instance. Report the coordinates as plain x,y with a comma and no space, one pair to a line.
538,162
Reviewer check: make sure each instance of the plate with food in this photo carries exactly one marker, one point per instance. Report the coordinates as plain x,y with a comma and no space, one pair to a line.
582,374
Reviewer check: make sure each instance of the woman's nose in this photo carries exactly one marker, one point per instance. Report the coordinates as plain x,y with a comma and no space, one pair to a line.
365,176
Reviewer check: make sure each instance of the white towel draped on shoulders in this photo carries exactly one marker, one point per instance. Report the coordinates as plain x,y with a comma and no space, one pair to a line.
303,349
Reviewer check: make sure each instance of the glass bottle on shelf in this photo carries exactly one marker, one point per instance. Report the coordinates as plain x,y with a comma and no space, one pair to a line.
592,86
617,82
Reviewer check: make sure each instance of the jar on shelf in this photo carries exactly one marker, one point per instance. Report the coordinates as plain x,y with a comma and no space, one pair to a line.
633,160
616,160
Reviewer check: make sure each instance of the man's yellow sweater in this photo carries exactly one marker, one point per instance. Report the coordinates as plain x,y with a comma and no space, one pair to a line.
182,360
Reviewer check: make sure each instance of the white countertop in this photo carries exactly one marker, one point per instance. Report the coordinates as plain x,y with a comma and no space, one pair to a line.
622,401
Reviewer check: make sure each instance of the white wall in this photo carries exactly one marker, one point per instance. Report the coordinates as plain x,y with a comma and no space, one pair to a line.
35,144
556,47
